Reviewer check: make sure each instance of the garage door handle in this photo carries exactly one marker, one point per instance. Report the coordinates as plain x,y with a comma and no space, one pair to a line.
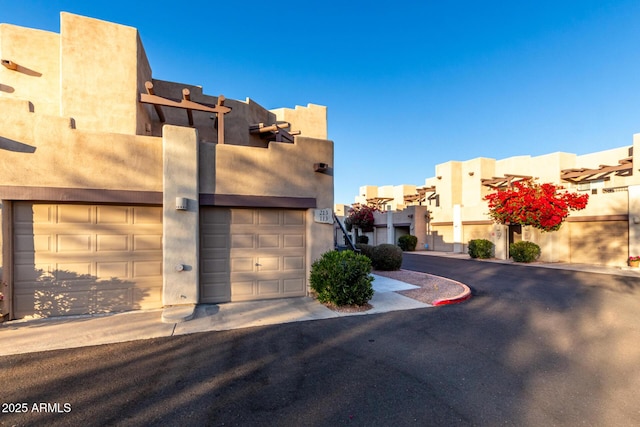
258,264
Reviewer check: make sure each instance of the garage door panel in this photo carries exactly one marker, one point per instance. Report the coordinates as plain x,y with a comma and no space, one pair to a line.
293,263
293,241
241,265
112,215
214,241
293,286
73,242
269,287
215,265
242,216
70,271
147,242
293,218
144,215
86,259
107,243
268,263
268,241
241,289
147,269
265,248
242,241
105,270
74,214
268,217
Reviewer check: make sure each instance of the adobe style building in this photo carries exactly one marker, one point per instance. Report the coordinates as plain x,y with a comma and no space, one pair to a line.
120,191
449,209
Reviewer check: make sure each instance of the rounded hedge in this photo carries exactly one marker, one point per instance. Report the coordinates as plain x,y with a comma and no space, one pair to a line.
366,250
524,251
407,242
480,248
342,278
363,239
387,257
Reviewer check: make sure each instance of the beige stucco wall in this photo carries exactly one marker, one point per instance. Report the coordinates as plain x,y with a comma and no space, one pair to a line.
99,74
43,151
310,120
37,79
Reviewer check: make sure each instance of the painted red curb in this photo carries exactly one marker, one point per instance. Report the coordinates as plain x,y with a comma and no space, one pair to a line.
464,296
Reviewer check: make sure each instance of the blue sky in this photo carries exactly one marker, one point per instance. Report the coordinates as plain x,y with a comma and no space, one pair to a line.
408,84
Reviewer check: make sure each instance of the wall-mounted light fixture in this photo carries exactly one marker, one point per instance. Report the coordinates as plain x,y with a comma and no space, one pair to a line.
471,173
182,203
320,167
439,176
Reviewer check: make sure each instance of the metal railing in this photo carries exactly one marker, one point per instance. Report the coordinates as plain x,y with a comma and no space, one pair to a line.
347,238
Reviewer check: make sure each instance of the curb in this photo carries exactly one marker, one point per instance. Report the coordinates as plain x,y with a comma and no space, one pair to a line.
461,297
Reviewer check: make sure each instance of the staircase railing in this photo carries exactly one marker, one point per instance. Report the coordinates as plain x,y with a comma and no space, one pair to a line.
347,238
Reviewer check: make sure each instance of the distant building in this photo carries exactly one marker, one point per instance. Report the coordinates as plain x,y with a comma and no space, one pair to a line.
449,209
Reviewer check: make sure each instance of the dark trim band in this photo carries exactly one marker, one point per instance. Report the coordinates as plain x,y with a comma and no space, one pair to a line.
241,200
598,218
80,195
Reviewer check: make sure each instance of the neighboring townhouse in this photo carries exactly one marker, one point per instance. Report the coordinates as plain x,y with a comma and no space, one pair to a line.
449,209
121,192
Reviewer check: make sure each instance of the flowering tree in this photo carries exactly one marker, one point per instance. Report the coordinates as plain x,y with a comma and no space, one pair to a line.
526,202
360,217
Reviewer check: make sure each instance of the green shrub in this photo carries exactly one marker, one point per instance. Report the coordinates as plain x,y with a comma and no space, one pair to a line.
524,251
342,278
363,239
480,248
408,242
387,257
366,250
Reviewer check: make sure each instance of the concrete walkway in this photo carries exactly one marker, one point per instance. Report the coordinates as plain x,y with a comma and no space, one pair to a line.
26,336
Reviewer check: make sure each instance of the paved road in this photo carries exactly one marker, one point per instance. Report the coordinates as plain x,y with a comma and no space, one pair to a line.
533,347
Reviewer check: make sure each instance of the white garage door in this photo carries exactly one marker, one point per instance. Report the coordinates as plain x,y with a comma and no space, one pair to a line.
80,259
251,254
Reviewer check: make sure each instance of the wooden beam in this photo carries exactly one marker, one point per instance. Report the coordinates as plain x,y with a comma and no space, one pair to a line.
9,64
186,96
159,112
187,104
220,116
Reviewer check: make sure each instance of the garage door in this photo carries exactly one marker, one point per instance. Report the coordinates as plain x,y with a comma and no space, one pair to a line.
599,242
81,259
251,254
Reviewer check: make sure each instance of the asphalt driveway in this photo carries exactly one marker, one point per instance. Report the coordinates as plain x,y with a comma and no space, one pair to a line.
533,347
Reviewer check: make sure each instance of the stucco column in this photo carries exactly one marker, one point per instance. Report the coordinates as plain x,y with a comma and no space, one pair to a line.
180,224
500,239
390,225
457,229
634,220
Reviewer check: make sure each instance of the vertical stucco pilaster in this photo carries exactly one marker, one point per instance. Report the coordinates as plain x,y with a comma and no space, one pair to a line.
634,220
500,240
389,225
457,229
180,227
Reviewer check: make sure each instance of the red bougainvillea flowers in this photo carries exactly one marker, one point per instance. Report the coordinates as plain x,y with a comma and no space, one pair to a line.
543,206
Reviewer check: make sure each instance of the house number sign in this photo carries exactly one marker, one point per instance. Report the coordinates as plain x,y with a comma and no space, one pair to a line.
323,216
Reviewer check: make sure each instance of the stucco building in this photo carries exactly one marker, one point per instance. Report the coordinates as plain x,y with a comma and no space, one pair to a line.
121,191
448,210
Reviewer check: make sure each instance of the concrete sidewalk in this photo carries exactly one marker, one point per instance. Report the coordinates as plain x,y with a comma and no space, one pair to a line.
26,336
